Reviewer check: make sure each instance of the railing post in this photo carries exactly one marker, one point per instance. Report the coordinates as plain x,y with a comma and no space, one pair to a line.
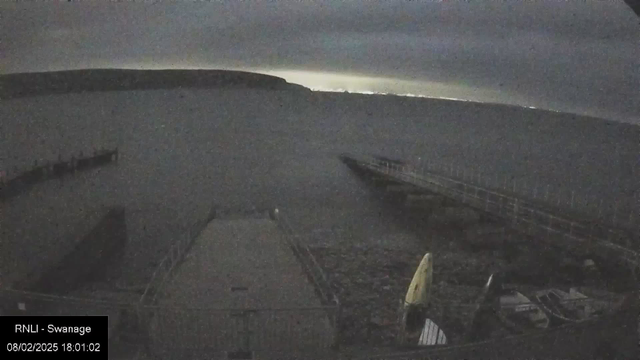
571,229
556,338
546,195
600,210
572,196
464,192
486,201
336,327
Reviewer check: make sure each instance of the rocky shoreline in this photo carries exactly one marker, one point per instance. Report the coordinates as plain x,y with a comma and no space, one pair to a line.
371,281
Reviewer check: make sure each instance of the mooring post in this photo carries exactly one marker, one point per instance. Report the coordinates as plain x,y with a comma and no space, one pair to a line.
401,323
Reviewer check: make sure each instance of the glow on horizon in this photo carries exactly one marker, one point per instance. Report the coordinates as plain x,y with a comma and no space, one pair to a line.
361,84
339,82
352,83
365,92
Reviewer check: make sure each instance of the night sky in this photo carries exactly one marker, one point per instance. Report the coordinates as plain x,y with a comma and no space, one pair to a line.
576,56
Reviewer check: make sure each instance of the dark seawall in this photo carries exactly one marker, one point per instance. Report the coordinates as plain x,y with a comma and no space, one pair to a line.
99,240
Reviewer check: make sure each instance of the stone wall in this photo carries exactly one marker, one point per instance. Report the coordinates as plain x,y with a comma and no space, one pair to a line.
101,239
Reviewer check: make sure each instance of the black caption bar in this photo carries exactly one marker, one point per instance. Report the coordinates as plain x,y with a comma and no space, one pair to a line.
48,337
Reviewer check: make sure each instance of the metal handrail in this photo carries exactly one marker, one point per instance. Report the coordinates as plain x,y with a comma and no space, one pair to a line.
317,276
170,260
369,159
321,283
519,205
68,299
181,308
178,249
613,217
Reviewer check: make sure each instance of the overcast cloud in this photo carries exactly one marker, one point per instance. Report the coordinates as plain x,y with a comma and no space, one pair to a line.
577,56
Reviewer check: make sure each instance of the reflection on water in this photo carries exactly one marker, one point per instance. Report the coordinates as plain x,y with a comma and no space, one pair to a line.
184,150
164,190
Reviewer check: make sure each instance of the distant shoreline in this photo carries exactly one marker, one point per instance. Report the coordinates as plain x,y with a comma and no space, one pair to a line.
25,85
470,104
20,85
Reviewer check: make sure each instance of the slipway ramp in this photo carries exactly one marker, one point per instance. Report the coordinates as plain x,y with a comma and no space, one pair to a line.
240,292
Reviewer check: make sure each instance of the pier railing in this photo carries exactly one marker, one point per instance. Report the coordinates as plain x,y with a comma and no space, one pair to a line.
522,215
313,270
579,203
179,331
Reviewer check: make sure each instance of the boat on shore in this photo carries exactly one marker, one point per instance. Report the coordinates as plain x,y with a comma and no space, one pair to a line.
418,295
520,313
574,305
